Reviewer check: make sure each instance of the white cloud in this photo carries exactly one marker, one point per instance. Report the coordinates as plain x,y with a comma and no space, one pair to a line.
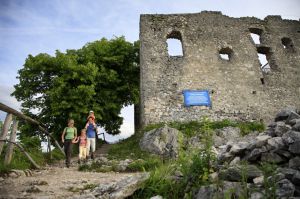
6,99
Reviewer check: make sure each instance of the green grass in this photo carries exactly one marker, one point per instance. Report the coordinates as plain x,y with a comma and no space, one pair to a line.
145,165
128,148
160,183
193,128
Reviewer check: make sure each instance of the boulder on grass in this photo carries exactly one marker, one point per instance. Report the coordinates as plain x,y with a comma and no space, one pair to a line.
162,141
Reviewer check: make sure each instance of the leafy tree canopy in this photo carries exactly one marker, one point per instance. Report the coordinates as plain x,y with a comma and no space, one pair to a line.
102,76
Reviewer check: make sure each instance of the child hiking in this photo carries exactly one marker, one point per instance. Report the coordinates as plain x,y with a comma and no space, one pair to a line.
68,135
91,136
82,139
91,114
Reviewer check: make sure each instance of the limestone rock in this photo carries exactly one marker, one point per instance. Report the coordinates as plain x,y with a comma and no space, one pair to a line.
290,137
206,192
271,158
296,127
296,178
257,195
285,188
284,153
122,189
194,142
123,164
295,163
235,173
284,113
229,133
281,128
236,187
292,118
258,180
289,173
235,161
255,154
162,141
239,148
295,147
225,157
261,140
275,143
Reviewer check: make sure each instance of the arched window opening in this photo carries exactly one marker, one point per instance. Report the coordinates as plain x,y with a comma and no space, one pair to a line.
174,43
287,43
264,64
264,56
225,53
174,47
255,34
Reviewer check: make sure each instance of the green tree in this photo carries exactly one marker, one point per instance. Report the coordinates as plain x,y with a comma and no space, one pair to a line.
102,76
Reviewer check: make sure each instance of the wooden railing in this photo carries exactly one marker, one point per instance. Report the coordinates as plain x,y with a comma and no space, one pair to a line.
11,142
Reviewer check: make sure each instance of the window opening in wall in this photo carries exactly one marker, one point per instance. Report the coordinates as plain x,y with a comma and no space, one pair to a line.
287,43
224,56
264,64
255,34
174,44
225,53
174,47
255,38
264,56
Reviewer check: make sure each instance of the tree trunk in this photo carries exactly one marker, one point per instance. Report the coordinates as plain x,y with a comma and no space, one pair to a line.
10,148
7,109
49,148
25,152
5,129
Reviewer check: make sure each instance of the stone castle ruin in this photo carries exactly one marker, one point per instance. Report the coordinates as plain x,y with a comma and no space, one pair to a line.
219,55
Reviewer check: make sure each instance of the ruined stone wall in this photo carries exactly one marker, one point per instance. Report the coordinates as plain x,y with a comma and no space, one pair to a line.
238,86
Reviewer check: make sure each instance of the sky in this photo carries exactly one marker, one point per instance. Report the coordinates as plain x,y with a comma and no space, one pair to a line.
35,26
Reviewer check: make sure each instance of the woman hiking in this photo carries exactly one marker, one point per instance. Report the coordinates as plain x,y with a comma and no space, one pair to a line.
68,136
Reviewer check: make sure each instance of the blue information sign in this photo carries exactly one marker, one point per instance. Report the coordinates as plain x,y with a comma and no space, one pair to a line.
196,98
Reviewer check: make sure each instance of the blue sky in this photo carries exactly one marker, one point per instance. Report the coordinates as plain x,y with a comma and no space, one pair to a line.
43,26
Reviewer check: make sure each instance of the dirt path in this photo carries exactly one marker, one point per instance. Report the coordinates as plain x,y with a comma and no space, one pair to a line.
58,181
102,151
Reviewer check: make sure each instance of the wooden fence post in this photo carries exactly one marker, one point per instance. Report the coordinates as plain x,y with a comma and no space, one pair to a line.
5,129
25,153
7,109
10,148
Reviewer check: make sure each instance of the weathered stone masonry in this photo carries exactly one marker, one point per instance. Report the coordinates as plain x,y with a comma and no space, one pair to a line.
238,87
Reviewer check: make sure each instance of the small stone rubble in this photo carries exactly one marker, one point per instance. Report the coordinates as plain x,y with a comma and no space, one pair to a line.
279,145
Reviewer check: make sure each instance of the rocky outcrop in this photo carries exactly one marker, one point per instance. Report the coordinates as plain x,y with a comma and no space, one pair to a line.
162,141
117,190
279,145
